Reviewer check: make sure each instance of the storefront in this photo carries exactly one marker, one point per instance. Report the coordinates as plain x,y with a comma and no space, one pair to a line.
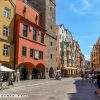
69,71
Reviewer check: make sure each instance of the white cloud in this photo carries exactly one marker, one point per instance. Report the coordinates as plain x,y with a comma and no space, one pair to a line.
79,12
86,4
91,47
87,57
84,7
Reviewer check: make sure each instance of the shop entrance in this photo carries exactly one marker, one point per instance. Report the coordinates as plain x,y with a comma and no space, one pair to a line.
23,72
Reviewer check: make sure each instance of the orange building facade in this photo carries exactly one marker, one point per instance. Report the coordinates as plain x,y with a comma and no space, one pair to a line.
95,56
30,43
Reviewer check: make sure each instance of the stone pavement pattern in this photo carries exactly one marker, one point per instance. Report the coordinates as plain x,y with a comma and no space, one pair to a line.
66,89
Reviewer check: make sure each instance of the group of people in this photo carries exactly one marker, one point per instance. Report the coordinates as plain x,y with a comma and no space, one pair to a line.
6,77
94,78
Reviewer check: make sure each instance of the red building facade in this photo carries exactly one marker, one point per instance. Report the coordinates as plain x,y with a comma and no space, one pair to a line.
30,42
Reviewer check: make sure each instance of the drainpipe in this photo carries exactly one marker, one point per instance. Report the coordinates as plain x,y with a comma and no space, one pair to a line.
14,6
14,39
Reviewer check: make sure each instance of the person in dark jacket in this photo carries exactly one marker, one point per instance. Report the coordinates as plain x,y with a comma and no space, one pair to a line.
98,83
82,76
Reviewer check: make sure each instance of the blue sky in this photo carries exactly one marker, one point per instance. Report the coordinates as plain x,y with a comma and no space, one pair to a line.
82,18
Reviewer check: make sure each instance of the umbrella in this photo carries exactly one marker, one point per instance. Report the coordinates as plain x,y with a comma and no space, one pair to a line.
58,70
98,69
5,69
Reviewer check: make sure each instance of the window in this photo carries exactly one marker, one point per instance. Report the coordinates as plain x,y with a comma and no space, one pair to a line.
47,70
5,31
51,56
36,54
62,31
31,53
40,55
60,36
25,30
99,50
61,45
34,34
51,43
36,19
7,12
50,8
25,0
51,27
6,50
42,38
23,51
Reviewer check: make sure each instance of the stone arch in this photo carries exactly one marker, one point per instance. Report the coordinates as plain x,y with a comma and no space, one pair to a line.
25,70
51,72
38,72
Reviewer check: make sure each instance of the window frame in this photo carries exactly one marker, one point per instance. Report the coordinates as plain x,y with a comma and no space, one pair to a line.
51,56
5,31
35,36
24,53
7,12
6,51
31,53
51,43
42,38
40,54
25,31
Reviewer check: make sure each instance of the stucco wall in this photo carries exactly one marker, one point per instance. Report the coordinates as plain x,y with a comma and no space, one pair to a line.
10,23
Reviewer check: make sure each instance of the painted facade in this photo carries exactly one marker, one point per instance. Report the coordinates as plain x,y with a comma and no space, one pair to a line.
7,13
62,42
70,48
67,52
30,41
71,58
95,55
48,11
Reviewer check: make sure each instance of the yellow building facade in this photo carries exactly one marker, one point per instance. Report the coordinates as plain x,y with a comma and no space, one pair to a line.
7,13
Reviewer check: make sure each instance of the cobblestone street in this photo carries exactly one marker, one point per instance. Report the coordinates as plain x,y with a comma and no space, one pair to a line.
66,89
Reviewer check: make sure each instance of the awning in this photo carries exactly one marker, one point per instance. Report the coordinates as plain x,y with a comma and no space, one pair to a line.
98,69
5,69
58,70
69,68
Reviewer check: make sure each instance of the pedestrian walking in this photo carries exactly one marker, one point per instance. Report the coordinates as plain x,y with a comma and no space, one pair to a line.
90,78
82,76
95,83
86,75
98,83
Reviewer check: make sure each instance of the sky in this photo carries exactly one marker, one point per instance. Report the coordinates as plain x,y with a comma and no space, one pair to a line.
82,18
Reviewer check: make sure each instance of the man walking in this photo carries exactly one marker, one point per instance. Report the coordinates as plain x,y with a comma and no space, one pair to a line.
98,83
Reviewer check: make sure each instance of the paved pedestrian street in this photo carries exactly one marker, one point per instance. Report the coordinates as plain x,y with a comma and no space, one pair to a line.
46,89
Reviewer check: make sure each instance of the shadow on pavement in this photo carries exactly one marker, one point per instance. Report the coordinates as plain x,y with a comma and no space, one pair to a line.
84,91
